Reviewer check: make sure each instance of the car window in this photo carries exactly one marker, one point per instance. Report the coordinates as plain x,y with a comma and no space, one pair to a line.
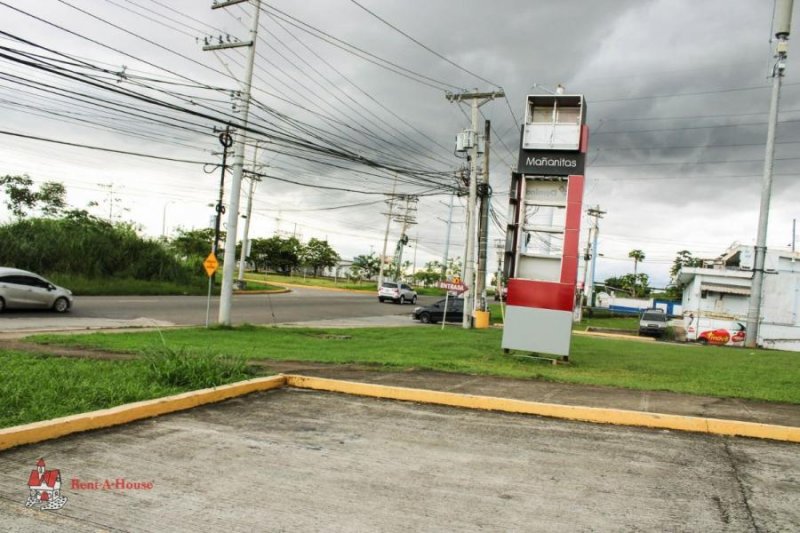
390,285
658,317
405,287
18,280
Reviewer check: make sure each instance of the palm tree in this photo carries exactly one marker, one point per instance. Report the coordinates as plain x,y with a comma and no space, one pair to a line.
636,255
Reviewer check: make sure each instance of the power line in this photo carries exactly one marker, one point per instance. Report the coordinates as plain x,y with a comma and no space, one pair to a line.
432,51
372,58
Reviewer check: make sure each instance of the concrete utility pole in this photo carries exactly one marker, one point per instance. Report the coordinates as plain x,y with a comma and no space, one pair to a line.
407,219
389,216
476,99
445,257
229,262
253,180
782,24
596,213
483,228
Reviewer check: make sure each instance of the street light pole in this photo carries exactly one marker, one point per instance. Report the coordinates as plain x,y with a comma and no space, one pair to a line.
164,219
783,23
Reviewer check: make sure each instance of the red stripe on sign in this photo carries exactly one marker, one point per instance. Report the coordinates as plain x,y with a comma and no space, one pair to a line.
569,270
571,243
575,191
584,139
541,294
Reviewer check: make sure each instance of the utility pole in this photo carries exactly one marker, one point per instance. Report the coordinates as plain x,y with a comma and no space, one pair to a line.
414,263
597,214
476,99
445,257
229,262
782,25
389,216
406,220
253,180
483,228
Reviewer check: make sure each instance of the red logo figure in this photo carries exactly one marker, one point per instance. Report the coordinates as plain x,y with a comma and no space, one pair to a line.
45,488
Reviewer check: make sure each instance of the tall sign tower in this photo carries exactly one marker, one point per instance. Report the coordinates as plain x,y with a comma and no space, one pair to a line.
546,199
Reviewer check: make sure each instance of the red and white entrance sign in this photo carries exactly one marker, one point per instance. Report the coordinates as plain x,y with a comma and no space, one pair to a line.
452,286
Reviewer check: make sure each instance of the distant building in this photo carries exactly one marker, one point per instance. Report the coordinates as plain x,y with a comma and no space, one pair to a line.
340,270
716,299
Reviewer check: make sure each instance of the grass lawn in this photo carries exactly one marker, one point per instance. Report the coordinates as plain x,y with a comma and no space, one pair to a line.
714,371
38,387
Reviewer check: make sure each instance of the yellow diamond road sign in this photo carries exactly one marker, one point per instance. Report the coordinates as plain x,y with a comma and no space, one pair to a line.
211,264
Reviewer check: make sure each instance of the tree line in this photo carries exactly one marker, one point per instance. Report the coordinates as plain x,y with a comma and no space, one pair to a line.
47,236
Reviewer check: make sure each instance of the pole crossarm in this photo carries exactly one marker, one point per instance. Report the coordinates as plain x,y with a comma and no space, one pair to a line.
223,46
227,3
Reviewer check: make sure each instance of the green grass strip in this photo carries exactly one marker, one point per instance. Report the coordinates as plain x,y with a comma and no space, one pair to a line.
714,371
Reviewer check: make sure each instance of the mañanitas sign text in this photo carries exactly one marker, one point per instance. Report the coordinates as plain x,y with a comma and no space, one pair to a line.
551,163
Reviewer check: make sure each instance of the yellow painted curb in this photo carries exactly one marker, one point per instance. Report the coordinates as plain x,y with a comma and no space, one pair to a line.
318,287
265,291
585,414
59,427
613,336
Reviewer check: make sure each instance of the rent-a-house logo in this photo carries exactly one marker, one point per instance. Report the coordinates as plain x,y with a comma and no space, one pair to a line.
45,488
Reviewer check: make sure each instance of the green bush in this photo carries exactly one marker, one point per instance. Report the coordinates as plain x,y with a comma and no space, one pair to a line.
80,244
180,368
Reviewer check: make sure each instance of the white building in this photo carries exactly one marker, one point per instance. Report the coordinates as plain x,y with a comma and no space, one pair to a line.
716,299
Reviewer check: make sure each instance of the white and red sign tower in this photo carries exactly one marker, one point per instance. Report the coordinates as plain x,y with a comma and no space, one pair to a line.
546,202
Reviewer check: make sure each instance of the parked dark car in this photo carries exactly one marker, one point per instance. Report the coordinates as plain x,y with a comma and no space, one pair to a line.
653,322
20,289
435,313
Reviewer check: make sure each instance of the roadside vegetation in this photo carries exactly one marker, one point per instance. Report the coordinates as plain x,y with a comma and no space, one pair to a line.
713,371
39,387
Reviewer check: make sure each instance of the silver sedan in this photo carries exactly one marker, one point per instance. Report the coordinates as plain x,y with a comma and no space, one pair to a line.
20,289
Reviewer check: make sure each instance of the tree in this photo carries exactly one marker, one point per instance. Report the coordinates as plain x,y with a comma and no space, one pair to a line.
319,254
684,258
430,274
637,256
365,266
629,283
22,198
277,253
193,243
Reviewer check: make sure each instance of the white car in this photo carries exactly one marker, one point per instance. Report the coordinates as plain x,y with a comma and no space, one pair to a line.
20,289
397,292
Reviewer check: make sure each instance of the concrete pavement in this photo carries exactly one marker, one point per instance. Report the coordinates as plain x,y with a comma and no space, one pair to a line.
292,460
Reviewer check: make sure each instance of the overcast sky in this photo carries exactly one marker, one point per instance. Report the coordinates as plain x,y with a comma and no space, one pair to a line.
677,92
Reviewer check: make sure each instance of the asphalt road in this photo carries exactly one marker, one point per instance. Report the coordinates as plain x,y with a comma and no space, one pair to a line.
299,305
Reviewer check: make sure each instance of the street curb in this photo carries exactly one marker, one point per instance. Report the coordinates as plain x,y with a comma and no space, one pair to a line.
123,414
316,287
613,336
265,291
620,417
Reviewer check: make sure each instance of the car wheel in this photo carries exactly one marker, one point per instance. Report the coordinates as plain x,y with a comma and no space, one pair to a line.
402,300
703,341
414,299
425,318
2,305
61,305
380,300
